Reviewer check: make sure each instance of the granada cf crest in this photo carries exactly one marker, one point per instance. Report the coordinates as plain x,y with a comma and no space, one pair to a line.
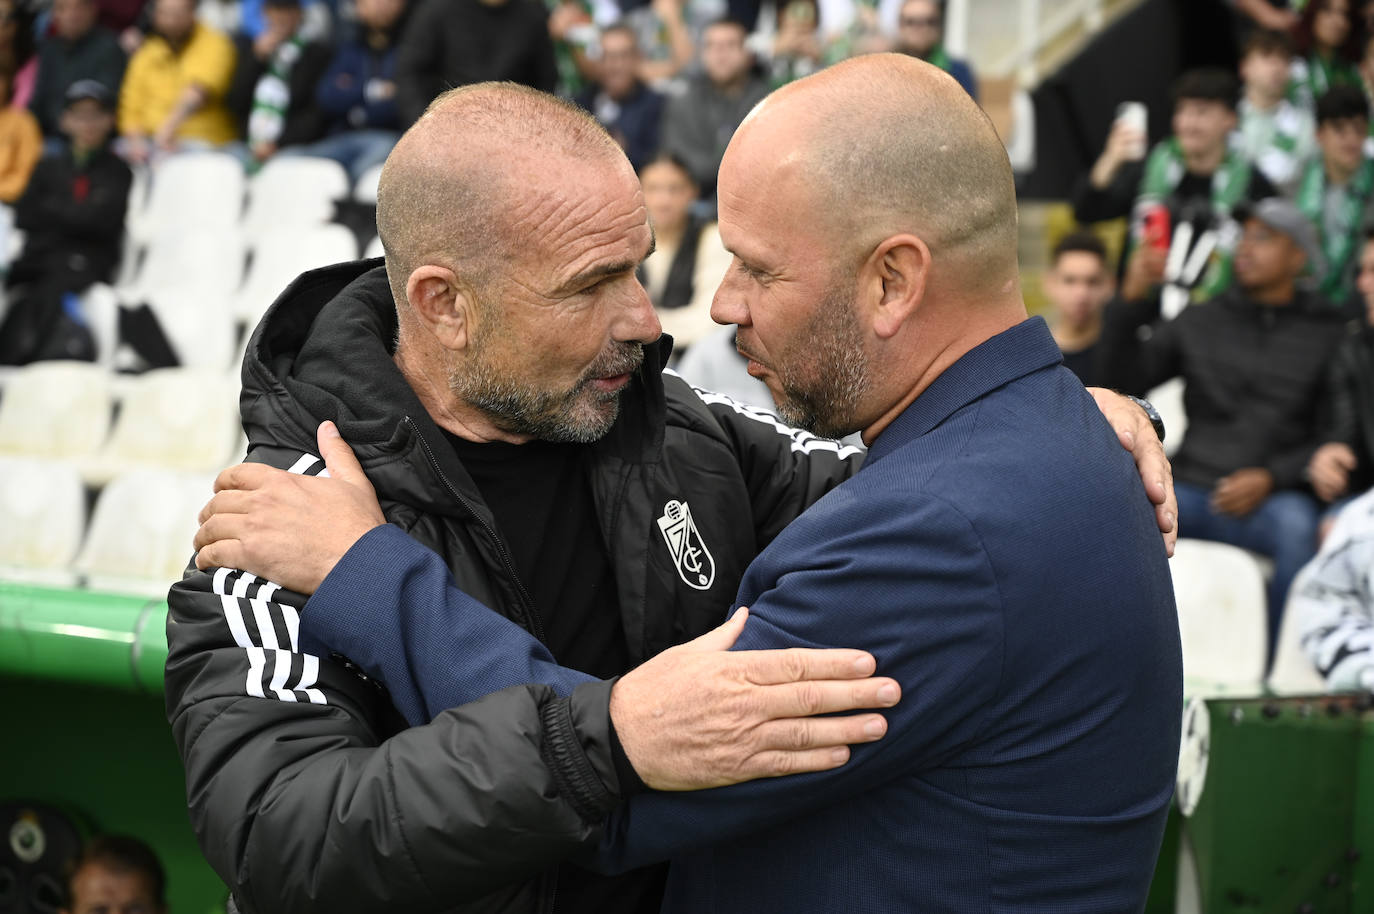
693,560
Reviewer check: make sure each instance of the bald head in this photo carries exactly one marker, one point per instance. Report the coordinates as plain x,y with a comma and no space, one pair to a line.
448,188
887,144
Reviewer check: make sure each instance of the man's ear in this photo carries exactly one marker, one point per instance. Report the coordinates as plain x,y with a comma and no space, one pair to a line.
441,303
895,275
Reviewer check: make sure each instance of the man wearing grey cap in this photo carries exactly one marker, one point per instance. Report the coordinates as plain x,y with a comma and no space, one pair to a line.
1254,359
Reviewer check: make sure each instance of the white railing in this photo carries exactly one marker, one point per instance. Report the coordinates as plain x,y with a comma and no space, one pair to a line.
1006,37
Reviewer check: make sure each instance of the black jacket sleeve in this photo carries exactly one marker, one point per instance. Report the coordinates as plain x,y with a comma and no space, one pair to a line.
304,121
304,796
1093,205
1138,350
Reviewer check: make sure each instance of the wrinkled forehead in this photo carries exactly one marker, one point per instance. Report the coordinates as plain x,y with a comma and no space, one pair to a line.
572,214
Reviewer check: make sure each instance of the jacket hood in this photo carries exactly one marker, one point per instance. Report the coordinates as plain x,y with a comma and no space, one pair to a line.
324,351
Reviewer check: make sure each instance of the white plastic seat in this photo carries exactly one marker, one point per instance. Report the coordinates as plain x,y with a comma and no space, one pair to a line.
189,190
205,258
141,531
1167,398
172,419
374,248
365,190
282,254
55,409
42,517
295,190
1293,672
188,279
1221,618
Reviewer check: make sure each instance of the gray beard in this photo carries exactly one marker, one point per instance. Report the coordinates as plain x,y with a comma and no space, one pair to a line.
576,416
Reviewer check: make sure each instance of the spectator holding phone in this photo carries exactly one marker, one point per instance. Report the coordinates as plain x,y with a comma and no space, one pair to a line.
1194,174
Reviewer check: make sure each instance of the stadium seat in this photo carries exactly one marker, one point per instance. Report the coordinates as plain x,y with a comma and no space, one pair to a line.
188,279
294,190
282,254
365,191
1221,618
1168,399
42,517
173,419
100,305
189,190
374,248
1293,672
55,409
141,531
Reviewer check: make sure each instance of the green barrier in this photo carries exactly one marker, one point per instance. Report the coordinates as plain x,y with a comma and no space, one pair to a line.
78,636
1278,826
85,729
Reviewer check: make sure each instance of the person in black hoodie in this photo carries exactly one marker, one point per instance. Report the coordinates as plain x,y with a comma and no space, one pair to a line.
1255,360
451,43
1344,465
73,215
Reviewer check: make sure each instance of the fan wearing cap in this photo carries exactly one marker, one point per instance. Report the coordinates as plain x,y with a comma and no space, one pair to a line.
72,214
1254,359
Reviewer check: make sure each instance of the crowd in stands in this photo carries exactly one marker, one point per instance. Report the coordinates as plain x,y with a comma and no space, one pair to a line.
1243,273
265,79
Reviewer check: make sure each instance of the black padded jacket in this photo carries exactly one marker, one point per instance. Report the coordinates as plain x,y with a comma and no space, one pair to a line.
305,788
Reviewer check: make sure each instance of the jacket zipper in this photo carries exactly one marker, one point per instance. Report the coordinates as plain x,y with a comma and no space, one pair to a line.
531,619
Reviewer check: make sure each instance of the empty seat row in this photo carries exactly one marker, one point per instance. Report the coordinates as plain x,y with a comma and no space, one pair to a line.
196,283
138,539
210,189
172,418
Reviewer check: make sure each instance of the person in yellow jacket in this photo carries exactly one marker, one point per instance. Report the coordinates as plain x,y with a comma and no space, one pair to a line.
21,144
173,92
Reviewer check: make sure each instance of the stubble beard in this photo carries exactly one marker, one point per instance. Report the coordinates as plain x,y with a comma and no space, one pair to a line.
822,385
578,415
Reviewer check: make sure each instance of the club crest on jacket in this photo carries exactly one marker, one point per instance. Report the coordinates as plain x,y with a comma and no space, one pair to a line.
693,560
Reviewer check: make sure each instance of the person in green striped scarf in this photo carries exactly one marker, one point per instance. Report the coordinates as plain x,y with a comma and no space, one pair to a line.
273,90
920,33
1335,191
1328,41
1194,173
1275,134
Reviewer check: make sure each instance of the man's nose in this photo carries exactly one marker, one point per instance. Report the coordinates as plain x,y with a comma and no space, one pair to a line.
728,306
638,322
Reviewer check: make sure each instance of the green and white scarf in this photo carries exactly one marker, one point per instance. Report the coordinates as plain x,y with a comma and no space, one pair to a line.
1316,74
1312,203
272,94
1164,170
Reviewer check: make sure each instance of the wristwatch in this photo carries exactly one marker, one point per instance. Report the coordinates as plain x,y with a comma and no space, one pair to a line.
1151,413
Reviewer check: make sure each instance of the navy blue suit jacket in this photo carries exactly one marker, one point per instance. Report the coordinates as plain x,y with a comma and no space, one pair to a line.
996,555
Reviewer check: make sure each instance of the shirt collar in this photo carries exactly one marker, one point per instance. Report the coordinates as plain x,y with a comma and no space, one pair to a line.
1009,355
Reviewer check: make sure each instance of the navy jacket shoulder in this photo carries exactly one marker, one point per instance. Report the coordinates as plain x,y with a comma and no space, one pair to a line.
998,557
